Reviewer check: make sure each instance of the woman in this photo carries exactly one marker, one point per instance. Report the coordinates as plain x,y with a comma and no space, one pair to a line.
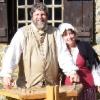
83,57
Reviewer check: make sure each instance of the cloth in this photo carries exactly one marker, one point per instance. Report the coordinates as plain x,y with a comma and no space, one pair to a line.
16,47
96,75
88,94
89,91
92,60
84,72
88,53
39,59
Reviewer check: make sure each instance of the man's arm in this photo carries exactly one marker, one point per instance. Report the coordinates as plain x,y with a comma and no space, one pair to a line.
11,58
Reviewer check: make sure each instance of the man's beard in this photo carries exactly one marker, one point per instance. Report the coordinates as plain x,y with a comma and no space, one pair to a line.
40,25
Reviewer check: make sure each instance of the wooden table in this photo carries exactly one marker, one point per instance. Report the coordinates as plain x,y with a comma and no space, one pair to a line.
46,93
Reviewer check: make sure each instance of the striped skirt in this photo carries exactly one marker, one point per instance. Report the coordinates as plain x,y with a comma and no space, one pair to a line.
88,94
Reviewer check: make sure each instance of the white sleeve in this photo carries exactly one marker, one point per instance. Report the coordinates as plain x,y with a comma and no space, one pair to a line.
12,55
96,75
64,58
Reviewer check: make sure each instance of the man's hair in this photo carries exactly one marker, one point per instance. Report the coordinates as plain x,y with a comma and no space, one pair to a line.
38,6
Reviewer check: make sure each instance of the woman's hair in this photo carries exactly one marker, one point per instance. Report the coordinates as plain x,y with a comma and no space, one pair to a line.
71,30
38,6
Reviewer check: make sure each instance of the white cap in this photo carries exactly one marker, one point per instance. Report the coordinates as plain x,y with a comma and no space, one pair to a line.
65,26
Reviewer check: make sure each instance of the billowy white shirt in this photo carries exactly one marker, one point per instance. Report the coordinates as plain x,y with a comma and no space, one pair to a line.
15,49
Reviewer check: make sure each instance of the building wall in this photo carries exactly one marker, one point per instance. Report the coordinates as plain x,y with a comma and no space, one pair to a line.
97,13
97,26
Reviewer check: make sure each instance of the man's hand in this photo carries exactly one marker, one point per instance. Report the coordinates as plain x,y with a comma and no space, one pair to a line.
74,78
8,82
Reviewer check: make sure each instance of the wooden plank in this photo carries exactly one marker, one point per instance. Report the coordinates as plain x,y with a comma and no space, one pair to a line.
50,93
2,0
47,93
23,94
69,92
8,94
56,92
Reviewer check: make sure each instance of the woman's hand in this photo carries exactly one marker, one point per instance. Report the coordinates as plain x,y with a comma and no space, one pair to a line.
74,78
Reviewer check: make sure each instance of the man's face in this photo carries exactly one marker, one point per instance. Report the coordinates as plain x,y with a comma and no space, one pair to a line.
39,19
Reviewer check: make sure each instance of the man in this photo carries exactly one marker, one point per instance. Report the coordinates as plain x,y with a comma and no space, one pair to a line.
36,49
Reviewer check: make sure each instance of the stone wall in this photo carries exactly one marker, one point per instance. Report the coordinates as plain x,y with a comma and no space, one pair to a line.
3,46
97,27
97,13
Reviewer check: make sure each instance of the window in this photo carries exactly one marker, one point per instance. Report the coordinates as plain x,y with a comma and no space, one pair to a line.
55,8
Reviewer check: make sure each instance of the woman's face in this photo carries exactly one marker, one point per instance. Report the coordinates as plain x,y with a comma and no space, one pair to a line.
69,37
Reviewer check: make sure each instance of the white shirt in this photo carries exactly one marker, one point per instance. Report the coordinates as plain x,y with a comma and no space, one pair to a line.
13,53
74,53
